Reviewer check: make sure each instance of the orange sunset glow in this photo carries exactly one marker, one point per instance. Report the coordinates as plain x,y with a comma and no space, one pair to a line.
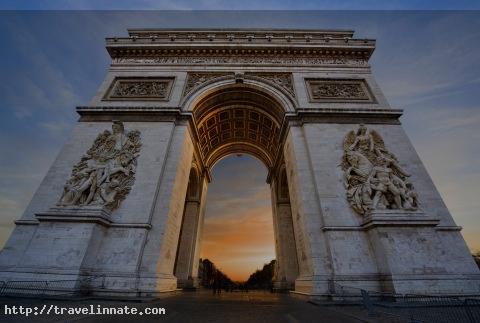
238,229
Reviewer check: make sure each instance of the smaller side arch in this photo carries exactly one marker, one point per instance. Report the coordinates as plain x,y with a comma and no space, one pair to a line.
282,189
193,189
287,270
188,248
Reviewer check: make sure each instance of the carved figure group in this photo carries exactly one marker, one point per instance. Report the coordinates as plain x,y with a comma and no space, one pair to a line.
257,59
104,175
334,90
134,89
197,79
373,177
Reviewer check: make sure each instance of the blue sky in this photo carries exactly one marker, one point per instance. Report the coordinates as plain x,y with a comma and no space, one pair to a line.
425,62
238,230
239,5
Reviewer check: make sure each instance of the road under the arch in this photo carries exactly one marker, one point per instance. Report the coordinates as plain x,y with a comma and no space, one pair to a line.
203,306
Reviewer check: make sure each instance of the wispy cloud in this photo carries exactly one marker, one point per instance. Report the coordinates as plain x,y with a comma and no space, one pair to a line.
238,229
241,244
45,88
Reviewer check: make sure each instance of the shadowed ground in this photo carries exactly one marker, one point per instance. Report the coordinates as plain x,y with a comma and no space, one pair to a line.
200,306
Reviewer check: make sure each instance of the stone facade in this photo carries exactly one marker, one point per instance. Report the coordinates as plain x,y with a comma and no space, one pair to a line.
295,99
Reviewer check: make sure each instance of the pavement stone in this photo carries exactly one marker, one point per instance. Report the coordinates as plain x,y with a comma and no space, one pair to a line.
201,306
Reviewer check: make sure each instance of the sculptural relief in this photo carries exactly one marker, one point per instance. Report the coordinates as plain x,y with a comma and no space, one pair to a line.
284,80
105,174
348,91
341,90
244,60
195,80
140,89
373,177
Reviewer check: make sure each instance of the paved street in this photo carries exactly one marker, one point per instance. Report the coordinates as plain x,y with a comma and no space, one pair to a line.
249,307
196,307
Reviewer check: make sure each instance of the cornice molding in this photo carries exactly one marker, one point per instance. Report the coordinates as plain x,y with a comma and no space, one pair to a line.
243,36
307,115
256,32
250,59
237,44
345,115
132,113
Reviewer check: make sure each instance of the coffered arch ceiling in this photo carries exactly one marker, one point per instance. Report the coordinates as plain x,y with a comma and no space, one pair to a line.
239,119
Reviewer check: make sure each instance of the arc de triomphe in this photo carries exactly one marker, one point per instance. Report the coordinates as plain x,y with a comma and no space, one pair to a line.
352,202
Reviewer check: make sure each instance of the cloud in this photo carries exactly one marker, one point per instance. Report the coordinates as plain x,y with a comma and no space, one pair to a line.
57,128
45,87
241,244
447,138
23,164
5,232
238,229
420,62
238,184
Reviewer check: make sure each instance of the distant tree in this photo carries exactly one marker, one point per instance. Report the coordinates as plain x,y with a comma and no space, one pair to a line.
262,279
209,274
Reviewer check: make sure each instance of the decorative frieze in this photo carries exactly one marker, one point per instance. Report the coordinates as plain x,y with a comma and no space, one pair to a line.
373,177
105,174
284,80
339,90
140,89
273,60
195,80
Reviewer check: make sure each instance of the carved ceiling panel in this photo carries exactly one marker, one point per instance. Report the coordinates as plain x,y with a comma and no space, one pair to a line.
238,119
240,95
236,125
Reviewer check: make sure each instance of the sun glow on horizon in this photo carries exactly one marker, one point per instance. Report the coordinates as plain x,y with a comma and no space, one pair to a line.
238,230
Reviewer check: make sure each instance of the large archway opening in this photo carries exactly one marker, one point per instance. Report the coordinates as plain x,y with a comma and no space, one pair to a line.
238,235
238,119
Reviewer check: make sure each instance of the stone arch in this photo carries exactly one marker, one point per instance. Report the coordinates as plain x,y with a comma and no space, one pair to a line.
231,117
284,98
193,188
188,248
239,117
287,266
234,148
134,247
282,190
